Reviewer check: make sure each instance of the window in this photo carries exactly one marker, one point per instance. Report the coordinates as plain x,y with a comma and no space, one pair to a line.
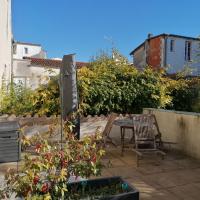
171,45
19,80
14,49
26,50
188,46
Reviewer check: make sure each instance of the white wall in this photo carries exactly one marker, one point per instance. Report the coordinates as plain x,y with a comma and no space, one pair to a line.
182,128
33,51
31,75
176,59
5,39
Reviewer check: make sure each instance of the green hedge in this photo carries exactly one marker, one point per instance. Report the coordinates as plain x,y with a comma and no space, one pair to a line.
108,86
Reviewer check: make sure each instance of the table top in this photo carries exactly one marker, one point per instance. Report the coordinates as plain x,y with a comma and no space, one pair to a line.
127,122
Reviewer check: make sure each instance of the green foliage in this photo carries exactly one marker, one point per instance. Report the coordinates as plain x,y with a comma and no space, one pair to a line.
186,94
45,100
16,99
19,100
108,84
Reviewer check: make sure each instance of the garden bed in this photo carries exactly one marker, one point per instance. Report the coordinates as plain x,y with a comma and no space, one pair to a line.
103,189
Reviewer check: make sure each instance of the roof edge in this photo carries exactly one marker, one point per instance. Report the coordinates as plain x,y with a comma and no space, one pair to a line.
164,35
26,43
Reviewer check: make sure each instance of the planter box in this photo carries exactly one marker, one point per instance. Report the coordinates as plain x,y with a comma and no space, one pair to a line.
128,192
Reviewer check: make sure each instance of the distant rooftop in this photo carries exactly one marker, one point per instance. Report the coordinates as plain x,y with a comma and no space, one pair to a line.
52,63
26,43
163,35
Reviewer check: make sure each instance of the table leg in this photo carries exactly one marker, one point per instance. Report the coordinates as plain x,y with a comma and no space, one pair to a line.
133,137
122,139
121,129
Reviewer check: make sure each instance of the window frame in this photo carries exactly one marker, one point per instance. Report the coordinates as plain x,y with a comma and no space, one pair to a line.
188,50
172,45
21,80
26,50
14,49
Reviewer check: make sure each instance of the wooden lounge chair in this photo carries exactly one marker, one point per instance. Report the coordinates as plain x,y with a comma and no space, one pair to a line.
107,129
145,139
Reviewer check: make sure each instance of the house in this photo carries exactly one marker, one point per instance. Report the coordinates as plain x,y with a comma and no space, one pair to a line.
26,63
5,40
22,49
169,51
33,71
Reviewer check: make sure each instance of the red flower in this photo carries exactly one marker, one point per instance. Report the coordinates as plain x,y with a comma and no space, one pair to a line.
94,159
38,147
48,156
61,153
78,158
64,163
26,191
45,188
36,180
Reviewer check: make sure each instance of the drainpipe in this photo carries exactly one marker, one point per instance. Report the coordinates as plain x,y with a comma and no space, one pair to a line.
12,43
165,51
149,36
145,51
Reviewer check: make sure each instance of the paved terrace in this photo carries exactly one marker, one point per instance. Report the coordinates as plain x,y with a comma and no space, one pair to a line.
175,178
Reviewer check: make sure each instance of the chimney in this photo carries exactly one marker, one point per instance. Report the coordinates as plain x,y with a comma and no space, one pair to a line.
149,35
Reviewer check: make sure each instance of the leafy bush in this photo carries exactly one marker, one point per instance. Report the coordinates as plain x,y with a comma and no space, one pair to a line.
46,100
16,100
109,85
186,94
19,100
45,175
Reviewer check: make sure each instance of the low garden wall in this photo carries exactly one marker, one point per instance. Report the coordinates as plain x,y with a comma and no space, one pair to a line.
180,127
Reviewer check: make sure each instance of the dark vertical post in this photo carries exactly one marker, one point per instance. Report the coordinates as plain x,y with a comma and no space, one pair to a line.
69,94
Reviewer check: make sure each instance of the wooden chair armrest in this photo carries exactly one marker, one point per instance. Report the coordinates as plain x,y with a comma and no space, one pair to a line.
137,152
162,153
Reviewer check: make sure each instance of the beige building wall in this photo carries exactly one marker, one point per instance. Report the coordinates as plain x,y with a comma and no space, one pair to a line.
5,40
29,75
180,127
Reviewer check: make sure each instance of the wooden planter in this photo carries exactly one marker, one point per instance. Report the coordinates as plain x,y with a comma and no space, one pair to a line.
129,193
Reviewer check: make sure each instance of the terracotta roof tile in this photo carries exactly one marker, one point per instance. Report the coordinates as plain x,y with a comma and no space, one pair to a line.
51,62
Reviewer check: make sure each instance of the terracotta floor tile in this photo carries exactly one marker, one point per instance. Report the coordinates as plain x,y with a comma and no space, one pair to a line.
187,192
147,169
187,163
124,172
158,195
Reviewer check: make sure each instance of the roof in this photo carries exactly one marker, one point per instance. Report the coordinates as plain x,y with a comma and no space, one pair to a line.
164,35
41,62
26,43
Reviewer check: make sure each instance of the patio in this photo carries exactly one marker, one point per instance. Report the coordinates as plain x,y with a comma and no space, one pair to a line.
176,177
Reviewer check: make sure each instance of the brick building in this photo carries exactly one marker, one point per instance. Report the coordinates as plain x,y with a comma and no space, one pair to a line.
169,51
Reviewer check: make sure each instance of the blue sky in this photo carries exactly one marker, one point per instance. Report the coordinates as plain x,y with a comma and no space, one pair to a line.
85,27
